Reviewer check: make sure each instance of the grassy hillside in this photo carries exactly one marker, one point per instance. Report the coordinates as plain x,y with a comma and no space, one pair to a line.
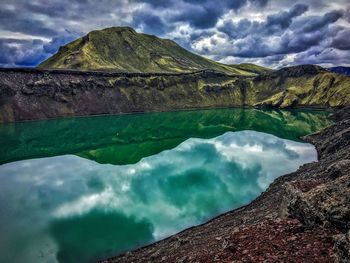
123,49
305,85
251,68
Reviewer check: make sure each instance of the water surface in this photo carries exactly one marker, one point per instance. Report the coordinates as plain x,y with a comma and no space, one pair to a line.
81,189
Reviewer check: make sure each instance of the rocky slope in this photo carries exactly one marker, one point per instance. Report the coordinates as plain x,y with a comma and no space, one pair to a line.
305,85
40,94
301,217
123,49
30,94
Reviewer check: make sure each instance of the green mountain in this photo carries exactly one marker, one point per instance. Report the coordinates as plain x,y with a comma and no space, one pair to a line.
123,49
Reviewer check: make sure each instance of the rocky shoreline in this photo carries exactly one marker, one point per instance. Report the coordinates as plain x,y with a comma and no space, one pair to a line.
302,217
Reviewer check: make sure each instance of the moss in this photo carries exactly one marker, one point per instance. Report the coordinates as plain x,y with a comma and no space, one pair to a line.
123,49
320,89
112,81
250,69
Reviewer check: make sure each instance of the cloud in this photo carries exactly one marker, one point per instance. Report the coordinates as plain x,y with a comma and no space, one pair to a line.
157,3
28,53
204,14
274,24
12,20
149,23
278,36
283,20
323,56
259,3
341,40
116,207
24,53
60,40
311,24
347,14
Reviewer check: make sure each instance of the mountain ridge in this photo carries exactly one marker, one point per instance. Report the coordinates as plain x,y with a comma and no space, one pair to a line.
123,49
341,70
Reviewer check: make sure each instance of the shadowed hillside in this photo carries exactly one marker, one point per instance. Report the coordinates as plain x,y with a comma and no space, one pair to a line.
30,94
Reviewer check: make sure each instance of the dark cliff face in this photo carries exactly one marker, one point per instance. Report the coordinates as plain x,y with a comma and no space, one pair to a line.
30,94
36,94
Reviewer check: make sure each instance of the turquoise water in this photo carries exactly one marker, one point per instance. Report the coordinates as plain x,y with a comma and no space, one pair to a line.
82,189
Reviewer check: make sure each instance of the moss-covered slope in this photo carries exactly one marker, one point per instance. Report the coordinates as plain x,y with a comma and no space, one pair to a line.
123,49
305,85
249,67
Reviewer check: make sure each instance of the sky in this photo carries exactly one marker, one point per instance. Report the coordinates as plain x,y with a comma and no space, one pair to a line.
272,33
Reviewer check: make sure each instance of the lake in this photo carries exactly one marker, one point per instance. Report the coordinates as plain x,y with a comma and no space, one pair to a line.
82,189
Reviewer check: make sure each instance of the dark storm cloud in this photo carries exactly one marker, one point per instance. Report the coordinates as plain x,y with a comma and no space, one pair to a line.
238,30
12,20
347,14
150,24
319,55
311,32
283,20
311,24
342,40
259,3
295,43
281,34
67,9
53,9
204,15
156,3
275,23
20,52
26,53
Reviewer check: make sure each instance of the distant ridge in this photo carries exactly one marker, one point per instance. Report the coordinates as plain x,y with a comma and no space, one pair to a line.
341,70
123,49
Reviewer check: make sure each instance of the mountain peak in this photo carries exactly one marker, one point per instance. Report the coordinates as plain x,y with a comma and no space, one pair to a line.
299,70
115,29
124,49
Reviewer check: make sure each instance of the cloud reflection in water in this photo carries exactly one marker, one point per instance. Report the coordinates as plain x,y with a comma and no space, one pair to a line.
98,210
